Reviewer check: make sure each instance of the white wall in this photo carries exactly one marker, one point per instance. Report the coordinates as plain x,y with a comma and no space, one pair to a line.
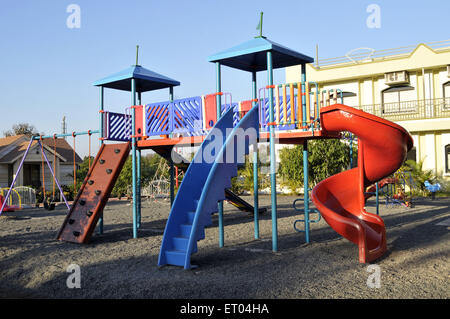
417,146
429,152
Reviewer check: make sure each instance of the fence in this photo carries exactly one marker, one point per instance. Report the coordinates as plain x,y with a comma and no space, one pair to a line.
410,110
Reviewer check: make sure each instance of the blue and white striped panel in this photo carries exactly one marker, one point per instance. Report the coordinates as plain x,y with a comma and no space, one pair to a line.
158,118
187,116
119,127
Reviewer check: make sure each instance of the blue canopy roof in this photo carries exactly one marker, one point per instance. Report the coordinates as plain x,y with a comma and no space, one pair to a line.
252,56
146,80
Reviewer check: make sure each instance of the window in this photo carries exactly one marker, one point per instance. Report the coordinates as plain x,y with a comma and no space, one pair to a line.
10,174
446,94
447,89
399,99
447,159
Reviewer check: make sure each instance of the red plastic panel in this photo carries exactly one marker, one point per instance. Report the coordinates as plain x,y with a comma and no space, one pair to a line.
245,107
140,129
210,111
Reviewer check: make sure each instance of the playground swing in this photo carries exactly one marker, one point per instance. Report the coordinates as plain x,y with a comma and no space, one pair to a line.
395,190
74,134
44,157
49,202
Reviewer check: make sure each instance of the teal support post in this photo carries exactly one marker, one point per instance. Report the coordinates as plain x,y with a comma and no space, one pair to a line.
306,188
305,166
255,165
219,114
273,181
134,159
138,176
138,188
102,106
171,166
303,79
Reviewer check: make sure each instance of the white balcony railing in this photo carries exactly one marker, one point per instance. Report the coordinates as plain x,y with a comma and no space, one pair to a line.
410,110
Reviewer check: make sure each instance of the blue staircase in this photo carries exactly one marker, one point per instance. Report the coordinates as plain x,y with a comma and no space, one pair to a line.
203,187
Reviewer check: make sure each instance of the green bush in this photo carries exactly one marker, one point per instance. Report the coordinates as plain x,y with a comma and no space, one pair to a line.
419,175
244,180
325,158
149,166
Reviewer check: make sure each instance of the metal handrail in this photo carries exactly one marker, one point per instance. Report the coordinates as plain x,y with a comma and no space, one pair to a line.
410,110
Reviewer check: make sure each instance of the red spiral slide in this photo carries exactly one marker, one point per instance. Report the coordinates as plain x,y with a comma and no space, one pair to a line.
340,198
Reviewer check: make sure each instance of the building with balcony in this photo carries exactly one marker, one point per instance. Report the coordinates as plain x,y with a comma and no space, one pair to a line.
408,85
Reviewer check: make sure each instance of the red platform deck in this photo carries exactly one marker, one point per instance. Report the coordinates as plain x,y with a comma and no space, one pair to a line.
283,137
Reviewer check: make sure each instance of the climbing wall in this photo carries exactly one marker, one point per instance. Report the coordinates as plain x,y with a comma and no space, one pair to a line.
93,195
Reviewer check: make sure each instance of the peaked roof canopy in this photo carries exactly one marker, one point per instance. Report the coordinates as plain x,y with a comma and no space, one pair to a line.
146,80
252,56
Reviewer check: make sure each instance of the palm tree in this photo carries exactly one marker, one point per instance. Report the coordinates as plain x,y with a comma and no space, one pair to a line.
419,174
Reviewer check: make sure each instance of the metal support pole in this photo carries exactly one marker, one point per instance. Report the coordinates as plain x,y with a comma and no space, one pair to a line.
138,173
171,166
306,188
39,137
377,197
255,164
134,158
273,181
101,128
303,106
219,114
351,150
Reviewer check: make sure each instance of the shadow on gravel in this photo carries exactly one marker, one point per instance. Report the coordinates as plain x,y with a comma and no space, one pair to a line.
244,270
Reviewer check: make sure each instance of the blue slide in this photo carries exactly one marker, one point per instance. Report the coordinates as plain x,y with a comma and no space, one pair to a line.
202,188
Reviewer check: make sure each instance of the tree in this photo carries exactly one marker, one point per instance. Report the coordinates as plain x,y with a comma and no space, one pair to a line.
21,129
325,158
244,180
149,165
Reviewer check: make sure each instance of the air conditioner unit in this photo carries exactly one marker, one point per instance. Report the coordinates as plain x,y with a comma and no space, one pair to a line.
394,78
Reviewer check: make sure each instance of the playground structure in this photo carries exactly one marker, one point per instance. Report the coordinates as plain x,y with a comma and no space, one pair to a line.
400,189
397,189
7,207
27,193
14,201
20,197
291,113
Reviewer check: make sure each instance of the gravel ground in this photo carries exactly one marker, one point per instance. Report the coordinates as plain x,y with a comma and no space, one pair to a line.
34,265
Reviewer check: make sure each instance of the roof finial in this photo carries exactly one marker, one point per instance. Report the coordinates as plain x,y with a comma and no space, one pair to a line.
137,54
259,27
